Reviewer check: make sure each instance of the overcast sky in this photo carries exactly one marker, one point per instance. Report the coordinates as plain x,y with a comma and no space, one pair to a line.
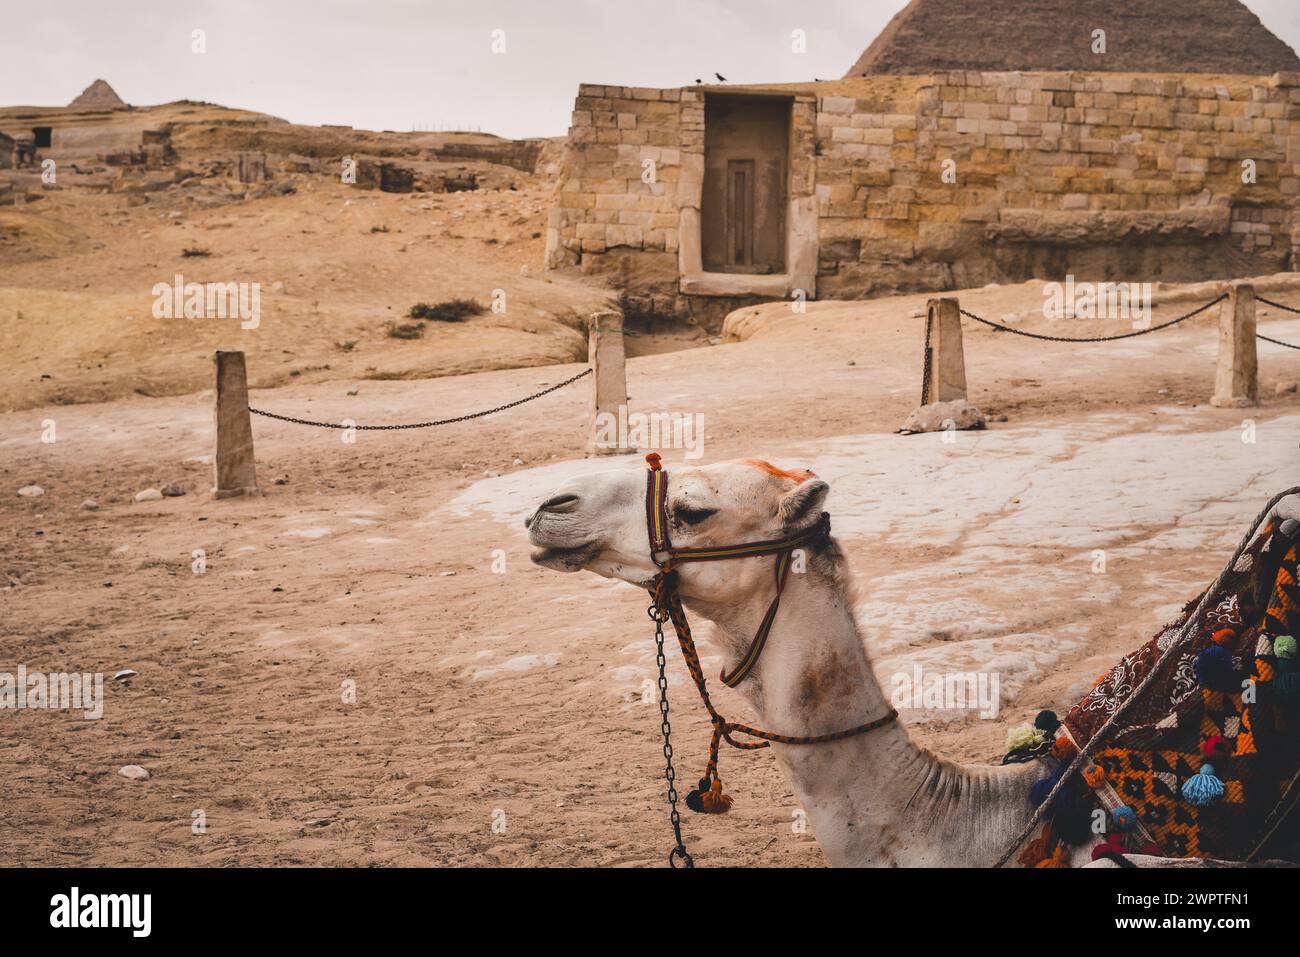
402,64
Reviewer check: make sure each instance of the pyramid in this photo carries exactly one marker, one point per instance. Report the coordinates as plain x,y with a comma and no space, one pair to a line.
98,96
1155,36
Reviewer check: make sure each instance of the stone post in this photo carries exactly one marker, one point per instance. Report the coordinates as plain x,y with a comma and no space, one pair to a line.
235,469
947,358
1236,378
605,351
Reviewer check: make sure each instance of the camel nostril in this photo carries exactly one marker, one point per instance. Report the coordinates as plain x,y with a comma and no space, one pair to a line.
559,503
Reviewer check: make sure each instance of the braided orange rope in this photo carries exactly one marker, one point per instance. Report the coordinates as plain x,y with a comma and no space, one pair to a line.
712,799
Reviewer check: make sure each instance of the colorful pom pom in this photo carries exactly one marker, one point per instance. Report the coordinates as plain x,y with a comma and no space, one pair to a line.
1225,636
1024,736
1063,749
1217,747
1047,721
1203,787
1038,793
1214,669
1094,776
1284,646
1123,817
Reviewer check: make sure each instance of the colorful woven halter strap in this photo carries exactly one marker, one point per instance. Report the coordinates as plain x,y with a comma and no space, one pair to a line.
708,797
656,503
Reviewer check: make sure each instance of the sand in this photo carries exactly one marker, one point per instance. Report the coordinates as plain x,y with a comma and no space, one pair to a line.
498,715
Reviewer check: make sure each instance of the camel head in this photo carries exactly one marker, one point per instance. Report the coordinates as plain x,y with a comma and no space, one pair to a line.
597,522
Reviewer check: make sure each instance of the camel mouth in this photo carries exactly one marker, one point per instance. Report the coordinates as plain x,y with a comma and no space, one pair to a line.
570,559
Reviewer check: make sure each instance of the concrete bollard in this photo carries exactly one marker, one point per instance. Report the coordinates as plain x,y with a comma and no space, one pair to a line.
234,466
608,358
1236,377
946,360
943,376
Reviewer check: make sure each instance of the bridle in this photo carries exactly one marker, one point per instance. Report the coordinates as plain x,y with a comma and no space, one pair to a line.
708,797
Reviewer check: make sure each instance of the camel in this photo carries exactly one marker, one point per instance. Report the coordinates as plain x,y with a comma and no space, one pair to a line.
877,799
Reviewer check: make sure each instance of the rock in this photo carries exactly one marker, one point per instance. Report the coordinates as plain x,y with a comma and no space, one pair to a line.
933,417
31,491
446,574
148,495
124,674
89,505
519,462
282,480
173,490
1285,388
134,772
492,473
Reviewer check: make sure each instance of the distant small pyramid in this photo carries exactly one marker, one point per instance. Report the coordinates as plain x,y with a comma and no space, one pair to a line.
98,96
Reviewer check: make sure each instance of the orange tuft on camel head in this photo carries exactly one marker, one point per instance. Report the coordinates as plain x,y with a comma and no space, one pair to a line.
795,475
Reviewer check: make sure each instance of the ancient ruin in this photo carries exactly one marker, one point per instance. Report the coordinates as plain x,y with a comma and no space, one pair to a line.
1209,36
700,199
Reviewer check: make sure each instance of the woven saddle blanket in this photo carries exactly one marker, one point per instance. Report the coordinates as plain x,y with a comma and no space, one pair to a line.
1226,706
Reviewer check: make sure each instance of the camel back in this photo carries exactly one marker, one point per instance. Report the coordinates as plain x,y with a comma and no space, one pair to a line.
1230,700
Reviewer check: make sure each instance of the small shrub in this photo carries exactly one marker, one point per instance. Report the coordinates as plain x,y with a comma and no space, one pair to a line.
195,251
379,229
406,330
346,346
453,310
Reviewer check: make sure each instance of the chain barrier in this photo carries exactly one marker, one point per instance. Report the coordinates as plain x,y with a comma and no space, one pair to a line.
423,425
1124,335
928,359
1285,308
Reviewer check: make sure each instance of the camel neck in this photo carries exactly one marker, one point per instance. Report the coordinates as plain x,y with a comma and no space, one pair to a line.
876,798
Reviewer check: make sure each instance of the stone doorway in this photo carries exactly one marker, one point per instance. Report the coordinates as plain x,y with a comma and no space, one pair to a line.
746,172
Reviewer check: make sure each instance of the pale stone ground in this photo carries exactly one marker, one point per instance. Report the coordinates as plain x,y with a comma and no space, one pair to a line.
520,692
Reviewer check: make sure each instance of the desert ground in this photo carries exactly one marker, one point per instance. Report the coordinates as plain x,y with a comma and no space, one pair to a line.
489,691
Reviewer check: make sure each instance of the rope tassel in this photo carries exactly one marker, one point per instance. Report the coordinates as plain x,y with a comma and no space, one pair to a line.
708,798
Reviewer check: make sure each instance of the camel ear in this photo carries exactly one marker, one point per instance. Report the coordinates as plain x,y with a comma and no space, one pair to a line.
803,504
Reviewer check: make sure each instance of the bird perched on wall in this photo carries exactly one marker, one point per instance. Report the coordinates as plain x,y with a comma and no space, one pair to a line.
721,78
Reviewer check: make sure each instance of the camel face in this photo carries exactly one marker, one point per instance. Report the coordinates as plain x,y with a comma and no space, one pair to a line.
597,522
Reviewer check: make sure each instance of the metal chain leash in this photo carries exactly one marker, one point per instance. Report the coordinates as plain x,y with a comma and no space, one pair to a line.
1125,335
678,853
423,425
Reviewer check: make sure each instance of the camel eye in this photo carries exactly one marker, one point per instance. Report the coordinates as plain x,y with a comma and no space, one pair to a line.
693,516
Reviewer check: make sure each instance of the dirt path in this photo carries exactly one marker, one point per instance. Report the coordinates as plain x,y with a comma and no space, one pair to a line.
480,692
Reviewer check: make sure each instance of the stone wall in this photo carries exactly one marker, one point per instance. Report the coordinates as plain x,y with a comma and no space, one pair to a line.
617,189
1106,176
955,180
